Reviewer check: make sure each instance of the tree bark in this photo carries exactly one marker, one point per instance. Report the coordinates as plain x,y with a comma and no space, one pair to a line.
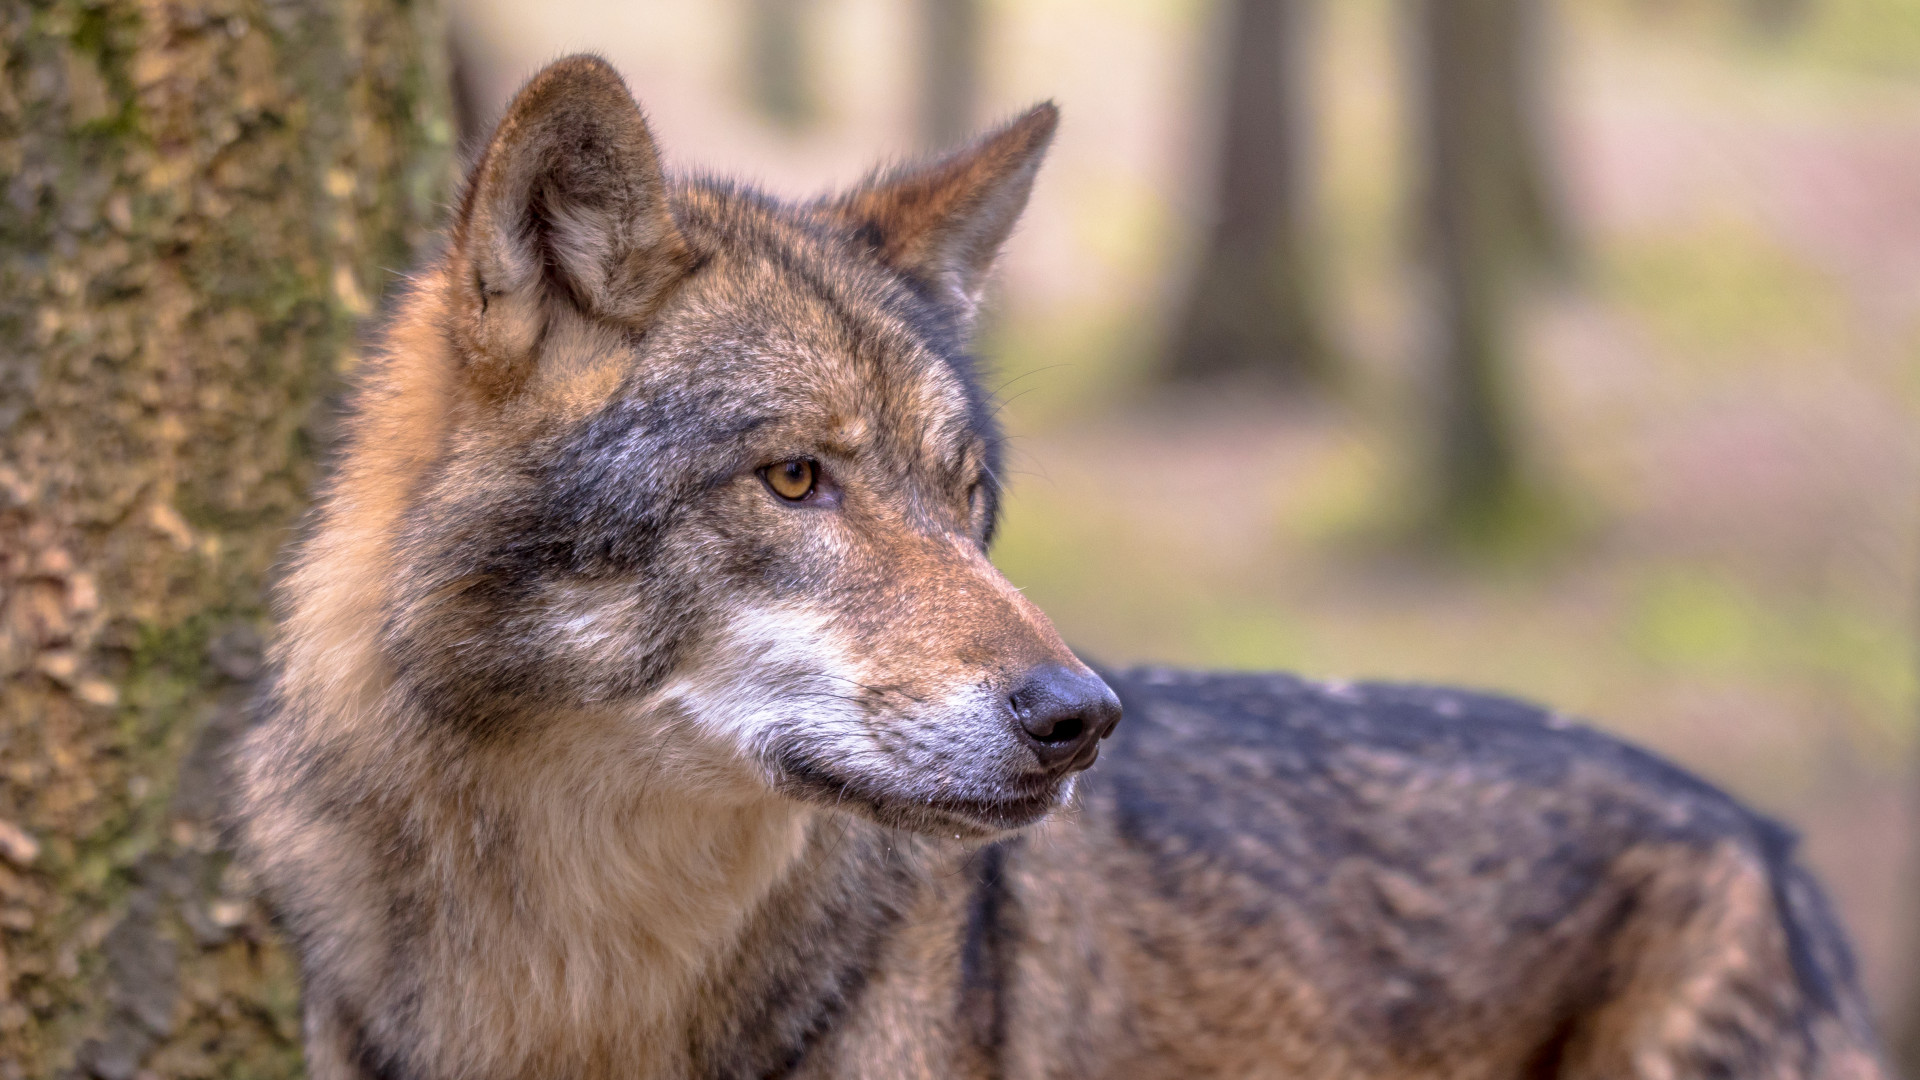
202,200
1471,248
1252,308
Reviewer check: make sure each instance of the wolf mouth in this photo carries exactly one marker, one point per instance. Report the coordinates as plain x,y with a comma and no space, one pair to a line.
1011,813
1022,806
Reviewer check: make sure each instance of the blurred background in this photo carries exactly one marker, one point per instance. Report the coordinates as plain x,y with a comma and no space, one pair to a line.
1565,348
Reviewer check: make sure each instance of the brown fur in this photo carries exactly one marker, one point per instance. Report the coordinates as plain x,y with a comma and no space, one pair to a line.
590,756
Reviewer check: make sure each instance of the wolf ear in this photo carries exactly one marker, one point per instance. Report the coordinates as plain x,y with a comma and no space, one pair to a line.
942,224
567,204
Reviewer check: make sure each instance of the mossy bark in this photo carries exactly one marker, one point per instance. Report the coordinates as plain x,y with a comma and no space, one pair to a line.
202,200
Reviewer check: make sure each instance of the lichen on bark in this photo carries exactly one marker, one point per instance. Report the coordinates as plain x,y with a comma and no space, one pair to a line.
200,202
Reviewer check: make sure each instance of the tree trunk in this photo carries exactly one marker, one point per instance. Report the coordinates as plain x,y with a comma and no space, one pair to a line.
468,108
1252,308
949,71
202,199
1519,60
1903,1023
1470,247
777,76
1777,18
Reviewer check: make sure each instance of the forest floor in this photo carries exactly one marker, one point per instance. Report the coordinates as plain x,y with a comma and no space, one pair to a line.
1723,395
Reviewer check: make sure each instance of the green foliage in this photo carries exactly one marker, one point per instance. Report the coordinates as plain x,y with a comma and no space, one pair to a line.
1880,37
1724,292
1701,624
1874,38
1697,622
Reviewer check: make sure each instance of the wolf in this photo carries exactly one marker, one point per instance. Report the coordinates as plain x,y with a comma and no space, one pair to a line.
646,706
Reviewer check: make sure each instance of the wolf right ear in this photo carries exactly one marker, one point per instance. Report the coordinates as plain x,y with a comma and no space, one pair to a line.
942,224
568,204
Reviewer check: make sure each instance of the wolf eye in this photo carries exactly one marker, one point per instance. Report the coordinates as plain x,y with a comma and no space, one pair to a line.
791,480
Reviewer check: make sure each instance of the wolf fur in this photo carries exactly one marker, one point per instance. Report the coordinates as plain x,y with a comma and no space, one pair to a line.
589,754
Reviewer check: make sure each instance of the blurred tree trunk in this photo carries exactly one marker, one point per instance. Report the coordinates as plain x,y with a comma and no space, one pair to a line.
1520,55
1472,238
468,109
1777,18
1903,1026
200,198
778,79
1252,305
949,71
1903,1023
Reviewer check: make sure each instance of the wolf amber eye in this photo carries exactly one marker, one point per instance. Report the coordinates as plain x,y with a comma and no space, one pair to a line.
791,480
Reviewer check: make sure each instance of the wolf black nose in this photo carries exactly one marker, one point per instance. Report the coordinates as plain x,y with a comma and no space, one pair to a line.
1064,714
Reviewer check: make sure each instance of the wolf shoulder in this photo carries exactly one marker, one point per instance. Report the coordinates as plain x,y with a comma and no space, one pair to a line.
1428,871
1458,824
1399,772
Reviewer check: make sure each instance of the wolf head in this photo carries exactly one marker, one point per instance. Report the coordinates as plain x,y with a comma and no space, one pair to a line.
715,472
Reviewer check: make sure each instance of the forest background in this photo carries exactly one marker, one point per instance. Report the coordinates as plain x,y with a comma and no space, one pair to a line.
1568,349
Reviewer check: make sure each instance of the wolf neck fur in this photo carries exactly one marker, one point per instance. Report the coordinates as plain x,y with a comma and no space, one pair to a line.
607,898
561,892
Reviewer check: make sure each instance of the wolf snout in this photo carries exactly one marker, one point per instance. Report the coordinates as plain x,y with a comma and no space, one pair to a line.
1062,715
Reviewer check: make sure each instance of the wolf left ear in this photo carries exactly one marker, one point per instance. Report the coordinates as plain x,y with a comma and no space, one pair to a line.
942,224
567,205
